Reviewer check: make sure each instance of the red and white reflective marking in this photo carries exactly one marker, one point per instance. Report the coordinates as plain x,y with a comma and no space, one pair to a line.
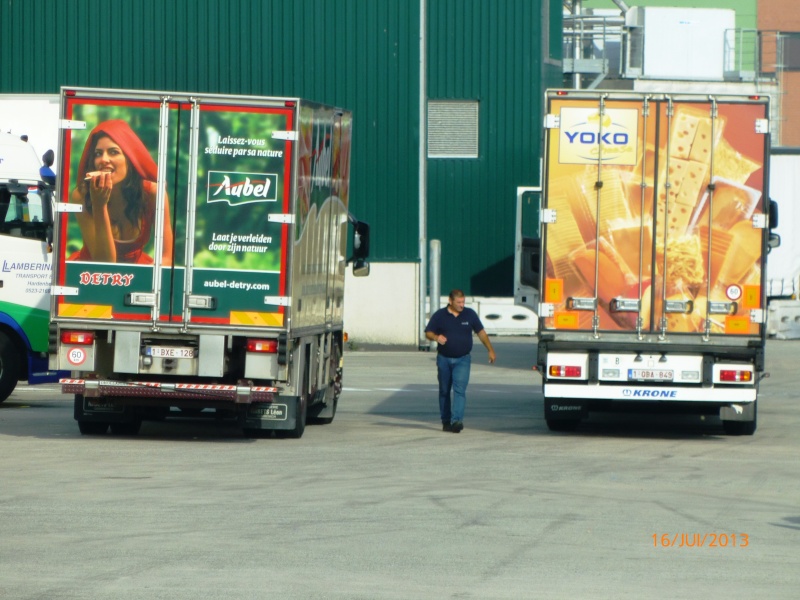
256,393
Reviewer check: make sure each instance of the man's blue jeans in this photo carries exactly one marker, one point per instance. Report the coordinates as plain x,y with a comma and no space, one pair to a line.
453,374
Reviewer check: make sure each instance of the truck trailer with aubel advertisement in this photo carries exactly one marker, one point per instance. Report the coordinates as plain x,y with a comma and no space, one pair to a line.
655,225
201,243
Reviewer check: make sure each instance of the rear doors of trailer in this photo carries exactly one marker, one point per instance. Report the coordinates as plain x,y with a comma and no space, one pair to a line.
655,216
216,217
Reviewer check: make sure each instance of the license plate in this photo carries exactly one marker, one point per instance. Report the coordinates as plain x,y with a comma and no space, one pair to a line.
650,375
170,352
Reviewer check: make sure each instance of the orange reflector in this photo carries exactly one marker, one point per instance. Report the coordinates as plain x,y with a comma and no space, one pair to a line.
80,338
266,346
346,337
737,376
564,371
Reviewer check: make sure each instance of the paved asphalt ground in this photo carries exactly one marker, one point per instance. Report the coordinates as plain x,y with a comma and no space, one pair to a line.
383,504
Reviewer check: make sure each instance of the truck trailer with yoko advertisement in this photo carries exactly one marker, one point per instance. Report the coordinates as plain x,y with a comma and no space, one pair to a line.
655,226
201,243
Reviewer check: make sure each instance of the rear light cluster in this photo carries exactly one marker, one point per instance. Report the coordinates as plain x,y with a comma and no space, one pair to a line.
263,346
77,338
564,371
735,376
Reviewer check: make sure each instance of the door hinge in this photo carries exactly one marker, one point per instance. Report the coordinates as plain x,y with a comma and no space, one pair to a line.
71,124
60,290
552,121
759,221
202,302
548,216
546,309
140,299
762,125
757,315
289,136
67,207
277,300
281,218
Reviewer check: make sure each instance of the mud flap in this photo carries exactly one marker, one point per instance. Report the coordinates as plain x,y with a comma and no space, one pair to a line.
102,409
738,412
280,415
565,409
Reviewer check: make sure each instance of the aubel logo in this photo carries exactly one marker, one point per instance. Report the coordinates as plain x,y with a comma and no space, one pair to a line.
242,188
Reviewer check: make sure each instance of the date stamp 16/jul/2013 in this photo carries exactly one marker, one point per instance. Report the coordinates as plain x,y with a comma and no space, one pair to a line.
701,540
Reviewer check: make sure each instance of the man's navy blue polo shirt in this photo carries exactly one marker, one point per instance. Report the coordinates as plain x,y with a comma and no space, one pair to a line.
457,329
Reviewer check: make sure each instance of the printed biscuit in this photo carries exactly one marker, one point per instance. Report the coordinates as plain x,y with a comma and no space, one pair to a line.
684,127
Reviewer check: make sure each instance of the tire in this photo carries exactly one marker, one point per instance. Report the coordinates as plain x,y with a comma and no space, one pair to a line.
739,427
316,420
9,366
563,424
336,385
92,427
300,423
127,428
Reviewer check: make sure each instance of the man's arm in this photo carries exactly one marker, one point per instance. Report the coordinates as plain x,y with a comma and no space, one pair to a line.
484,338
439,339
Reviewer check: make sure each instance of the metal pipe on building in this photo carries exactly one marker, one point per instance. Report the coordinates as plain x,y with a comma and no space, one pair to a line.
622,6
423,170
435,259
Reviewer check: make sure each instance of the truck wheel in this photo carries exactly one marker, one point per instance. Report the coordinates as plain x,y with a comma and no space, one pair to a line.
740,427
329,409
300,425
9,366
317,420
127,428
563,424
92,427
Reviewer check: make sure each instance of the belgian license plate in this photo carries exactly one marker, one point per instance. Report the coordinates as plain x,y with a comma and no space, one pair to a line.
650,375
170,352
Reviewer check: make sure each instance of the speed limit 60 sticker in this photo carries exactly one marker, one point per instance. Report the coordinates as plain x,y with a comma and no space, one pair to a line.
76,356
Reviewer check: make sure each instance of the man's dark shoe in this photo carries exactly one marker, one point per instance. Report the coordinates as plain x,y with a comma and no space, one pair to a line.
446,426
457,427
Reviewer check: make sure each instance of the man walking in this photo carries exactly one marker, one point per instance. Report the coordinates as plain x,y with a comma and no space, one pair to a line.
451,328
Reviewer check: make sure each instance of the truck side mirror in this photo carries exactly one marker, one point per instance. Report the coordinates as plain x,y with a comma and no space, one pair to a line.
773,214
773,241
360,249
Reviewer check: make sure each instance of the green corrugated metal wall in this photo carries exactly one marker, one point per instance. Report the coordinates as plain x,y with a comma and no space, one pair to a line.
492,52
360,54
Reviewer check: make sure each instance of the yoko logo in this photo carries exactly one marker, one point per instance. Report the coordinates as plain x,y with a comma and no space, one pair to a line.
586,136
242,188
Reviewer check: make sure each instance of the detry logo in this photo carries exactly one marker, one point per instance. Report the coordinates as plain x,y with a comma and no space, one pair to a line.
586,137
